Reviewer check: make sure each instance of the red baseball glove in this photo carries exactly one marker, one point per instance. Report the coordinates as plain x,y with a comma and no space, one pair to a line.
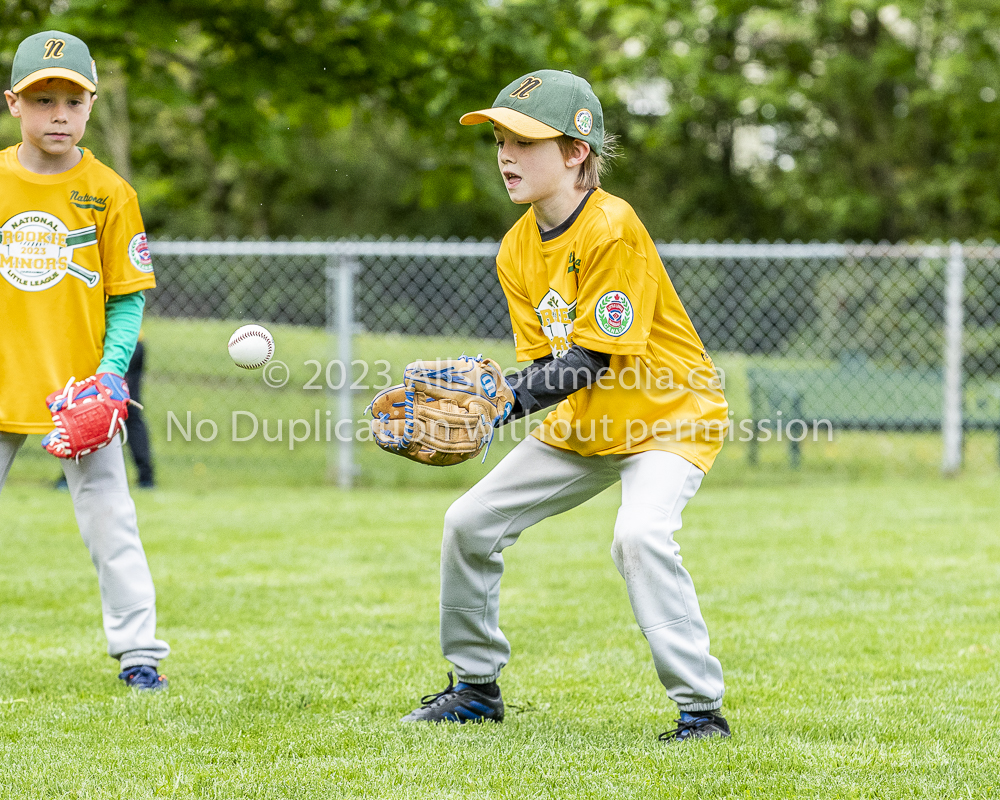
87,415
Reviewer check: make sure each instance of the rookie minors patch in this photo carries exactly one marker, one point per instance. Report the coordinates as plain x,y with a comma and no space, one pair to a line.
36,251
138,253
614,313
584,121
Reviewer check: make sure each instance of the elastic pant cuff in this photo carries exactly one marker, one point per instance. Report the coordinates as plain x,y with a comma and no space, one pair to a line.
477,681
139,661
690,708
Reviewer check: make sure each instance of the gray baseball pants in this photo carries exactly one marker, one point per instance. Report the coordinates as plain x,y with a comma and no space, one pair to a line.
536,481
106,516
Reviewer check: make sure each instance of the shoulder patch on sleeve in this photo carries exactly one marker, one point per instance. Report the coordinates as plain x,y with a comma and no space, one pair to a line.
138,253
614,314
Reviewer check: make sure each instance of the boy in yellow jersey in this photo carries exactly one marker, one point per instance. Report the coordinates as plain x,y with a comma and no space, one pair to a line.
636,397
73,266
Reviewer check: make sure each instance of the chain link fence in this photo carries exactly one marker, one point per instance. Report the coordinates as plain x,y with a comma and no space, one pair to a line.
891,337
408,287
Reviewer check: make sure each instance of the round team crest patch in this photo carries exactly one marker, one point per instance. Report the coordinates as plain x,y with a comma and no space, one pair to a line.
138,253
584,121
37,251
614,313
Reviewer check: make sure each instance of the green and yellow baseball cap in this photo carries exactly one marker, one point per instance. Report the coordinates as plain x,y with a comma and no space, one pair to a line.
53,54
546,104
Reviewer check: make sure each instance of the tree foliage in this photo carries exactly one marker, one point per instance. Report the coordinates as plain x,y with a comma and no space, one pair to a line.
804,119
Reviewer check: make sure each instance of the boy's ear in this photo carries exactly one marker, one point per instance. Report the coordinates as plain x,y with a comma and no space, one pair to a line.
578,153
12,100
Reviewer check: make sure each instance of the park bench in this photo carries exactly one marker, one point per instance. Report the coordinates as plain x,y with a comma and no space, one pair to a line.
858,395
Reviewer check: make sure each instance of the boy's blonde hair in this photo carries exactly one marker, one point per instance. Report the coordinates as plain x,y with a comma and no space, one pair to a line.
595,165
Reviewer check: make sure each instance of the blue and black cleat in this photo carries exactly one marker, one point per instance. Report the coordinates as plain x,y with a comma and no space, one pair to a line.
144,678
462,702
699,725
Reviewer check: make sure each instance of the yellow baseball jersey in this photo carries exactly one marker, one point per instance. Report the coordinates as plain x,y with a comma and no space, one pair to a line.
600,283
66,242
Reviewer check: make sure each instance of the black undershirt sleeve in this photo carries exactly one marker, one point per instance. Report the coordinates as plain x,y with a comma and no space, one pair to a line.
551,380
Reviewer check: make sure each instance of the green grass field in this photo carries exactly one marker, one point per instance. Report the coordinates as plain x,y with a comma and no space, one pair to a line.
854,605
858,626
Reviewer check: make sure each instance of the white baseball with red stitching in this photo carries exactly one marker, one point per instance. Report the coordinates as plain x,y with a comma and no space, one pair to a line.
251,347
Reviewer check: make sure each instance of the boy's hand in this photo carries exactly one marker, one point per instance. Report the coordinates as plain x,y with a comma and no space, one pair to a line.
87,415
444,412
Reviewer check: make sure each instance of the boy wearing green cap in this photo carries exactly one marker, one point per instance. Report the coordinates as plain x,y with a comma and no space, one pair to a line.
74,263
637,401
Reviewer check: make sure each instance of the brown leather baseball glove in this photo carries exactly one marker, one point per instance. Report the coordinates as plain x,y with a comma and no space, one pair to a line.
443,412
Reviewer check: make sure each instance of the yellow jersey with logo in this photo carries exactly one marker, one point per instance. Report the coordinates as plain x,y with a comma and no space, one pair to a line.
66,242
601,284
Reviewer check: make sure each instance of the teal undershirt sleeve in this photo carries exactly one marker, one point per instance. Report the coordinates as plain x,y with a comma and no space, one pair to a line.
122,320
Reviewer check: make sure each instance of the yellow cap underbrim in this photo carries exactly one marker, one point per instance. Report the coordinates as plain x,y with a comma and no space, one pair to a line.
54,72
521,124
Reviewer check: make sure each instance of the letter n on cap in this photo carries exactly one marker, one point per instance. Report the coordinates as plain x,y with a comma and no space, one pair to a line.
528,85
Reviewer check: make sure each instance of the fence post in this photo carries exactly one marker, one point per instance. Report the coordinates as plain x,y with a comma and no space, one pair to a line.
951,416
340,324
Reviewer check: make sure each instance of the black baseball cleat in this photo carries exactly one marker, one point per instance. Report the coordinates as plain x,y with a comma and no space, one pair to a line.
699,725
462,702
144,678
